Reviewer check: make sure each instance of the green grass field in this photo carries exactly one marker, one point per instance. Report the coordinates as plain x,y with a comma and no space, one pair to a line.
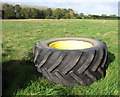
19,38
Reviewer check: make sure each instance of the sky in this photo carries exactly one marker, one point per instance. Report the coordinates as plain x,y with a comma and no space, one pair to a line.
97,7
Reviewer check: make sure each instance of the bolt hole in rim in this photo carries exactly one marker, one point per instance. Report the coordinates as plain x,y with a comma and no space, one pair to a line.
71,45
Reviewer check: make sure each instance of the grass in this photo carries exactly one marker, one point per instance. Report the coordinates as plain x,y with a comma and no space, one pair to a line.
19,38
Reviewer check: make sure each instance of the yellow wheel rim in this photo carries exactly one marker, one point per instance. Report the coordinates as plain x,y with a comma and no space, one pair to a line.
70,45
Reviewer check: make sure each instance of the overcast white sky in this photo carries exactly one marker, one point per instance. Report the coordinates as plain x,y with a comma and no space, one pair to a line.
85,6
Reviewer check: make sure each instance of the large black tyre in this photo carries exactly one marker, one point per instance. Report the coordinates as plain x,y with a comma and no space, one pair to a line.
69,67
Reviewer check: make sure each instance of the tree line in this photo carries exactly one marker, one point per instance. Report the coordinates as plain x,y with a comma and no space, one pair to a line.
17,12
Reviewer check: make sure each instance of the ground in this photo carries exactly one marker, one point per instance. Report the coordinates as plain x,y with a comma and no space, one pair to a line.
19,38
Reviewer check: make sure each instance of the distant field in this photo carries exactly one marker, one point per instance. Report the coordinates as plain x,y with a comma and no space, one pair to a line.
19,38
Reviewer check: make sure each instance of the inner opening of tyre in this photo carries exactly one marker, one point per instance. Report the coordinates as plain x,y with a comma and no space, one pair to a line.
71,45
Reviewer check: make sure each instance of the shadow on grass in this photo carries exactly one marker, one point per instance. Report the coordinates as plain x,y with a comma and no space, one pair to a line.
110,59
17,74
